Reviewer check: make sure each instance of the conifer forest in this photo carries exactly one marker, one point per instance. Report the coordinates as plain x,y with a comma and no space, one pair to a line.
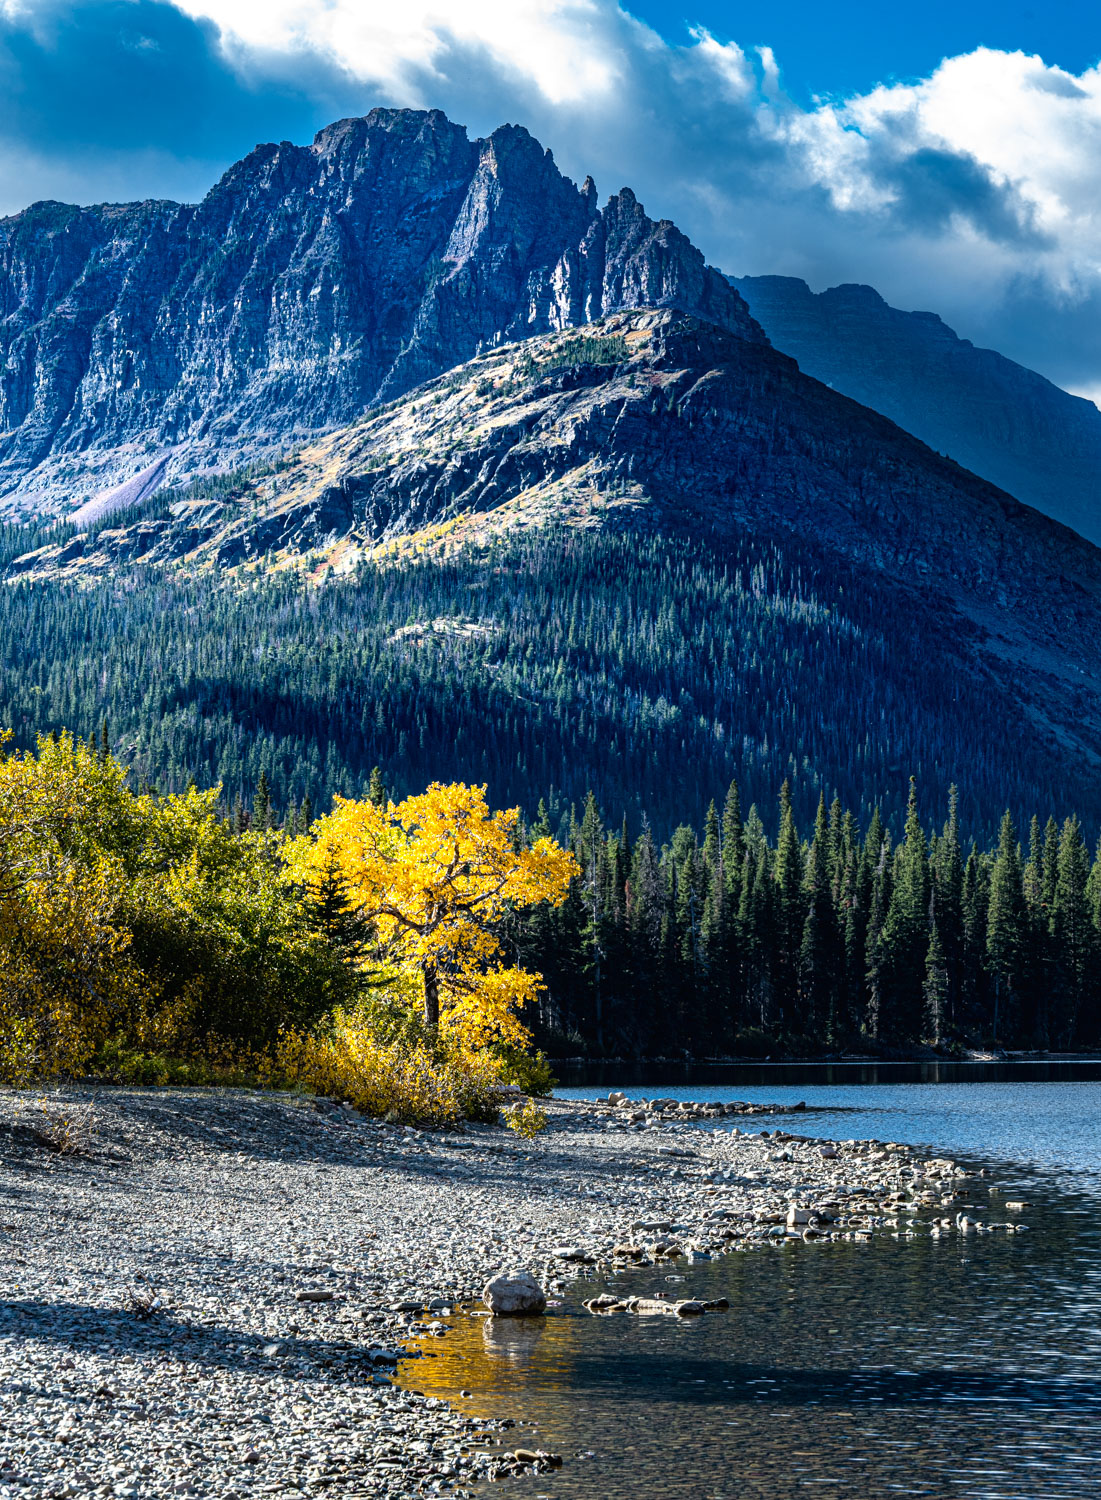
613,688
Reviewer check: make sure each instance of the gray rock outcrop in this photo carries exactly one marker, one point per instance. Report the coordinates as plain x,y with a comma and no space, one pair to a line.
309,282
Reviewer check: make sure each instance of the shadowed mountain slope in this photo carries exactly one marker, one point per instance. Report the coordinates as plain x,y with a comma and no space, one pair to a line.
993,416
869,608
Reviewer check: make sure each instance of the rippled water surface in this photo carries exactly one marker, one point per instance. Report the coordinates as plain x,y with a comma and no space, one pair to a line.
962,1366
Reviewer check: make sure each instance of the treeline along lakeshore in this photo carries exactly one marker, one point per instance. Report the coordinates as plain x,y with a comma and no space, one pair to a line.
726,940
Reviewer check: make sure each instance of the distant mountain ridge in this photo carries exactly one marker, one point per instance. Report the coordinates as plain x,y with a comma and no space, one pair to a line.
991,415
309,281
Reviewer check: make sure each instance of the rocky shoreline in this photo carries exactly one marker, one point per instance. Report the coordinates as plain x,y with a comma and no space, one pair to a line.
206,1291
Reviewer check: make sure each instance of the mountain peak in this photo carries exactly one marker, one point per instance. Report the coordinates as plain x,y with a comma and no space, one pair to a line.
310,282
994,417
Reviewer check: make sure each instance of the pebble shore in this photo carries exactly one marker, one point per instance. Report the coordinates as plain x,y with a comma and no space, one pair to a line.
205,1292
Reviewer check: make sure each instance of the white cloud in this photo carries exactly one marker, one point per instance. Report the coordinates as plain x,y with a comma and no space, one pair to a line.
1029,133
556,44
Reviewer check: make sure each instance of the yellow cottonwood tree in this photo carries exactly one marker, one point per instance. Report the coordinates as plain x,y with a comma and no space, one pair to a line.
434,875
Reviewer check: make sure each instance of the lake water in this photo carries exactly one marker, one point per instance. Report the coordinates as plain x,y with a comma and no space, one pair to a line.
966,1366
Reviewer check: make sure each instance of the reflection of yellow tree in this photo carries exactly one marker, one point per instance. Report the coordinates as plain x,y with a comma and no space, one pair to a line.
434,875
512,1339
489,1355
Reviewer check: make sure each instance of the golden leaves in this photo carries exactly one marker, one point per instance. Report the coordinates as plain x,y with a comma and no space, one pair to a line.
436,874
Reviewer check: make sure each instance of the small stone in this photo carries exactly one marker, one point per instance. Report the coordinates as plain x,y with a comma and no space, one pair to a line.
305,1296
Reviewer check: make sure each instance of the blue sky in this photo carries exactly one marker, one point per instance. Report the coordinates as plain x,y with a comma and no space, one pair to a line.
847,48
948,154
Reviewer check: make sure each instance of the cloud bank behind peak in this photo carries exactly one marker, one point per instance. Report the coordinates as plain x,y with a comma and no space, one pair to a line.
973,191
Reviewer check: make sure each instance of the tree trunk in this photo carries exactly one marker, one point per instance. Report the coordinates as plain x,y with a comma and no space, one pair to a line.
431,995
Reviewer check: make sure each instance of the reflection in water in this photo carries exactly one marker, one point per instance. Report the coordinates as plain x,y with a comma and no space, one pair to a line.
963,1367
513,1339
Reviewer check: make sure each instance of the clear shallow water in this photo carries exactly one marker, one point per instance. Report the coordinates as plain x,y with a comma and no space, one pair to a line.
1052,1125
959,1367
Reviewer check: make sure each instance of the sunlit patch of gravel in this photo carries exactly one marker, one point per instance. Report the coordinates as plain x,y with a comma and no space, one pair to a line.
205,1291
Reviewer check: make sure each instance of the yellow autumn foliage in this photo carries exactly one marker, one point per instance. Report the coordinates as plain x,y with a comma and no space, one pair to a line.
434,875
363,959
402,1079
67,974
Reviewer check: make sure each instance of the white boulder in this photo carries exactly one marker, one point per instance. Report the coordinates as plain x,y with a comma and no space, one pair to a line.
514,1294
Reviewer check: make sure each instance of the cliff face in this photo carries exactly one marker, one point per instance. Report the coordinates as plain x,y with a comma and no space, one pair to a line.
993,416
309,282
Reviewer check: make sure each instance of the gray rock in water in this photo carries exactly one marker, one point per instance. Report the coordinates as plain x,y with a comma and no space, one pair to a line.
514,1294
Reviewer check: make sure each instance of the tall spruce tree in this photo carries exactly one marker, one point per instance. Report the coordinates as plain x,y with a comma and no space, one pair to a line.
1075,938
1006,929
904,938
788,880
935,988
818,945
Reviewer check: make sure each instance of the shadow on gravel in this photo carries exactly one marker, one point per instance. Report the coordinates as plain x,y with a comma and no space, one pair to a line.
79,1329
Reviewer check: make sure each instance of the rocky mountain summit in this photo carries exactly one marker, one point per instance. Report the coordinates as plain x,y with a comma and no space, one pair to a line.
310,282
993,416
658,422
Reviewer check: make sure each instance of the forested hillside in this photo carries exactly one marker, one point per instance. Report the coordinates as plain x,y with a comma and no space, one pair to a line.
637,560
649,669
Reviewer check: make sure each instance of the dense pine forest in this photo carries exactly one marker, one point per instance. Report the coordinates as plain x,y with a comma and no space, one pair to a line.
648,669
588,676
724,941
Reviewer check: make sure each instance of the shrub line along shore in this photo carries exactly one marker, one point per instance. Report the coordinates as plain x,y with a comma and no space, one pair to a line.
206,1291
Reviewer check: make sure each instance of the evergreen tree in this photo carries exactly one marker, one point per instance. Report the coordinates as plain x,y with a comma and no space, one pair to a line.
904,936
261,804
788,880
948,886
733,841
589,847
756,926
1073,932
1006,929
935,988
305,814
818,946
332,912
878,852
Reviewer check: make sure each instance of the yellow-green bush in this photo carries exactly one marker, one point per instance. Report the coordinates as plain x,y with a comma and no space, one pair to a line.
141,918
142,939
526,1119
403,1080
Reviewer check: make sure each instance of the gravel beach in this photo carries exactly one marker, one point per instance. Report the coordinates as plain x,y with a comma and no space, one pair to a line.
204,1291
